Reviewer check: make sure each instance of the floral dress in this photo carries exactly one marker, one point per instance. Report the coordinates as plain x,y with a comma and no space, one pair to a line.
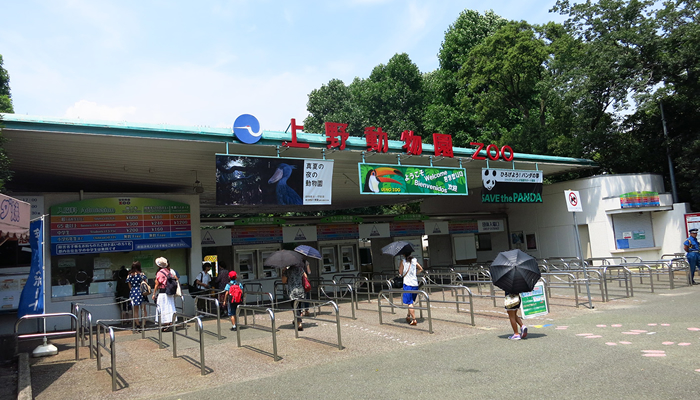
135,293
295,281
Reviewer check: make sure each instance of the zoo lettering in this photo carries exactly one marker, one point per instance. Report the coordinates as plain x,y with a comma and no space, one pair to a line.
489,152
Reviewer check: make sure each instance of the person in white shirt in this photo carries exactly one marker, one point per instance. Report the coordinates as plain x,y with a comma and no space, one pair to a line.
202,283
408,269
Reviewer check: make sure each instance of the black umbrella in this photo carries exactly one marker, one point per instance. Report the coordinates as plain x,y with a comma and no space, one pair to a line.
398,247
515,271
284,258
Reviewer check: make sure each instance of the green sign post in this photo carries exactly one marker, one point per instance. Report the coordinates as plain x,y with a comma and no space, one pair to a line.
534,304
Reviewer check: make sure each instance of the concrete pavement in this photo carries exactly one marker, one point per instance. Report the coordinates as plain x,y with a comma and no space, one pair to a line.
642,347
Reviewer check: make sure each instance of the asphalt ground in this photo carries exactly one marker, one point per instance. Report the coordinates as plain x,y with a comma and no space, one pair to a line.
643,347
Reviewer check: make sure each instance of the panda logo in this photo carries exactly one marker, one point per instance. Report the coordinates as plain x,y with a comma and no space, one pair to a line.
488,177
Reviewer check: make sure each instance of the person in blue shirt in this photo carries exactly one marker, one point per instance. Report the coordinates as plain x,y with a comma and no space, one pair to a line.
692,249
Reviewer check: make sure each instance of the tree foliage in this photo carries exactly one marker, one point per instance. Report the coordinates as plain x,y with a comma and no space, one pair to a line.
5,107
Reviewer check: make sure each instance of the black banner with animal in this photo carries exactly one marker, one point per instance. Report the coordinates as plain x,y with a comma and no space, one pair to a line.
243,180
511,186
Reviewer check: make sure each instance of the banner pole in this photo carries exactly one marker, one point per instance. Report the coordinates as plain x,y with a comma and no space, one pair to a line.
583,264
45,349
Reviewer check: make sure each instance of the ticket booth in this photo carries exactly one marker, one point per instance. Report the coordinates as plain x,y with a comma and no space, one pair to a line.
338,257
248,262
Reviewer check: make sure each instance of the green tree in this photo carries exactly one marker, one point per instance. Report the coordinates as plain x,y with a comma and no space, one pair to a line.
332,102
392,97
5,107
445,112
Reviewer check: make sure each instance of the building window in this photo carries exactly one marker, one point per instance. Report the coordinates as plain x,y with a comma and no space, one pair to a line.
483,241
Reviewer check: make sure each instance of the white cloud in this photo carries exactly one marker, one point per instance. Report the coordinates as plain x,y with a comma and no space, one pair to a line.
84,109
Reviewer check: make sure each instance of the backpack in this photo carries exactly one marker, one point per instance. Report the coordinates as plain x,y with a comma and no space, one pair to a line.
170,284
145,287
236,292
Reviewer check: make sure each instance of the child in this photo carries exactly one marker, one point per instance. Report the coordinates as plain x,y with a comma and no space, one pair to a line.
232,306
512,303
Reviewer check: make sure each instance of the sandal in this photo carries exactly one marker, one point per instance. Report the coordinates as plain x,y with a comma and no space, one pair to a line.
414,322
300,328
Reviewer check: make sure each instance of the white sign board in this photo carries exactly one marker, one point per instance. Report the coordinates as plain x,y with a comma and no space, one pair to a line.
216,237
573,201
291,234
370,231
436,228
490,225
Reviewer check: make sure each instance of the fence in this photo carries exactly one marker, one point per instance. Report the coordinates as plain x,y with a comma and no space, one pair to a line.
199,328
74,332
319,303
102,344
420,308
271,312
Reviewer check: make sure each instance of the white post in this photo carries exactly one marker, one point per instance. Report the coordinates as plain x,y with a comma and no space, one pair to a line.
580,259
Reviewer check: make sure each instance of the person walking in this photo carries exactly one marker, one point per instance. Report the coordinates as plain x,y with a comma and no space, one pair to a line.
409,269
512,304
293,277
692,250
136,276
233,297
164,292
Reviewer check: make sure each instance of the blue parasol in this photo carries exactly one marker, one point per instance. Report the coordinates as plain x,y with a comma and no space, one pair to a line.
308,251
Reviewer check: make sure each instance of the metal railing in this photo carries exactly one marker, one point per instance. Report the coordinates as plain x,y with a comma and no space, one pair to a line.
318,303
72,332
199,328
206,299
553,280
371,290
85,319
271,312
259,301
466,294
337,294
158,321
623,275
102,344
420,308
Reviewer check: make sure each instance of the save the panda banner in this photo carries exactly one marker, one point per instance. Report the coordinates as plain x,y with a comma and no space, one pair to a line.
511,186
411,179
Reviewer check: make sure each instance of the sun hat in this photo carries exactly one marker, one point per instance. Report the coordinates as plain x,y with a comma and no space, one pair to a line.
162,262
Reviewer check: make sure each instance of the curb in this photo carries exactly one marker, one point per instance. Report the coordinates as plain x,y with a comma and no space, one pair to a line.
24,378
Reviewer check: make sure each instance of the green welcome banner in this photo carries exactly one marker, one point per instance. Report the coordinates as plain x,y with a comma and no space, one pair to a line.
411,179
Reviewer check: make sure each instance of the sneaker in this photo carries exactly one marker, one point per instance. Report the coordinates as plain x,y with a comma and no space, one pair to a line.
523,331
514,337
233,328
408,320
414,322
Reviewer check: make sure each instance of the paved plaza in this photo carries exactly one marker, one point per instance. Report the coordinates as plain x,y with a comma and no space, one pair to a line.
641,347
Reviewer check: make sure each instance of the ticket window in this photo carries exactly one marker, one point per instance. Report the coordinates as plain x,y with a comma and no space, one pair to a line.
348,258
247,265
328,260
268,272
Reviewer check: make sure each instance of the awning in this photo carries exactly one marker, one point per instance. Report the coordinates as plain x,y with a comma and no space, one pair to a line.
14,217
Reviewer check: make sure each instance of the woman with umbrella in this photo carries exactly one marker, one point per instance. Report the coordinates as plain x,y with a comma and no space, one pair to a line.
292,264
515,272
408,269
293,276
307,251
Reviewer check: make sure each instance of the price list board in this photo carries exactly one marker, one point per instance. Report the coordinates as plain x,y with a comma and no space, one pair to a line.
118,225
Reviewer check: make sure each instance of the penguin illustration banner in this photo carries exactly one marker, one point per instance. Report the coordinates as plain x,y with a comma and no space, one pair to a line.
243,180
411,179
511,186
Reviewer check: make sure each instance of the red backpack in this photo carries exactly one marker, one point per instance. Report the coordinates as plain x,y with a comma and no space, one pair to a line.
236,292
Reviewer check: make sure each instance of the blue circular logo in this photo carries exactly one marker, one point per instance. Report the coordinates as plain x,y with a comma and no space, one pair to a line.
247,129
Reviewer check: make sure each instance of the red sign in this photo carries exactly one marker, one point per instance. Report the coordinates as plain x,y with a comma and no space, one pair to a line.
492,152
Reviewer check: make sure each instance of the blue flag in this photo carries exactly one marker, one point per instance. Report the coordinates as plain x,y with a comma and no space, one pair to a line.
32,299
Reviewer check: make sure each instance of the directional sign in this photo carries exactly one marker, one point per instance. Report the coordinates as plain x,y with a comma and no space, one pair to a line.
573,201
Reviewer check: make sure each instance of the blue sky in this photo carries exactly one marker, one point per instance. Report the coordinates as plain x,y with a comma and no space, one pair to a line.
204,63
